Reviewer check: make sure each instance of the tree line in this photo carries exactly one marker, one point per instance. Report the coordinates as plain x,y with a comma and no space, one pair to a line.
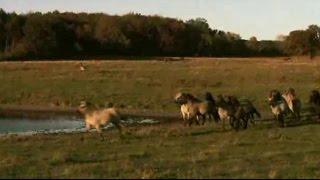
55,35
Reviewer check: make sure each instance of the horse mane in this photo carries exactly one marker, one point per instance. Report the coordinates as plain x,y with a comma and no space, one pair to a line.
275,95
182,98
232,100
291,91
191,98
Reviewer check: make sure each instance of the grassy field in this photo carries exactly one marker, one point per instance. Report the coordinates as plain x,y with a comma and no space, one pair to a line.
168,149
151,84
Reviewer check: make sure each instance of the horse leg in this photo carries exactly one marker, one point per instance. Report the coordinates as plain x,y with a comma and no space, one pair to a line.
281,120
298,115
118,126
237,124
223,123
294,114
99,131
97,126
211,117
184,119
276,118
185,122
244,122
197,120
217,119
204,118
251,119
88,127
190,122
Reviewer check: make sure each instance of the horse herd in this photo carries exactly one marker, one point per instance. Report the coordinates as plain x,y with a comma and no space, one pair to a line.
239,114
223,108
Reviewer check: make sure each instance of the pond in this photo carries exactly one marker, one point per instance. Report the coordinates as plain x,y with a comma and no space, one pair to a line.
53,125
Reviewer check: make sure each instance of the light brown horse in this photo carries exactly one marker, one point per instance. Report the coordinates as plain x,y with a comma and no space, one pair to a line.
227,110
97,118
192,109
279,106
293,102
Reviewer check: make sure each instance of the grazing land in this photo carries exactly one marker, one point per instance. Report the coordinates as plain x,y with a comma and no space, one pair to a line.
152,84
166,149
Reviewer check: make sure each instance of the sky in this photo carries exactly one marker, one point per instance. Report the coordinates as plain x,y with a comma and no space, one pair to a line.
265,19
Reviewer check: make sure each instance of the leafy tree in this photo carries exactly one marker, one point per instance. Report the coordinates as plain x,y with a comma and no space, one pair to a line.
78,35
313,32
3,33
110,36
303,42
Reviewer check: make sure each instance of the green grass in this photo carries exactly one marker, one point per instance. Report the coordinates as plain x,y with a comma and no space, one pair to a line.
167,151
151,84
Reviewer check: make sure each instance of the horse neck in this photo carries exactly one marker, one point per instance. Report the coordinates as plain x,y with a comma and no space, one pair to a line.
288,98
